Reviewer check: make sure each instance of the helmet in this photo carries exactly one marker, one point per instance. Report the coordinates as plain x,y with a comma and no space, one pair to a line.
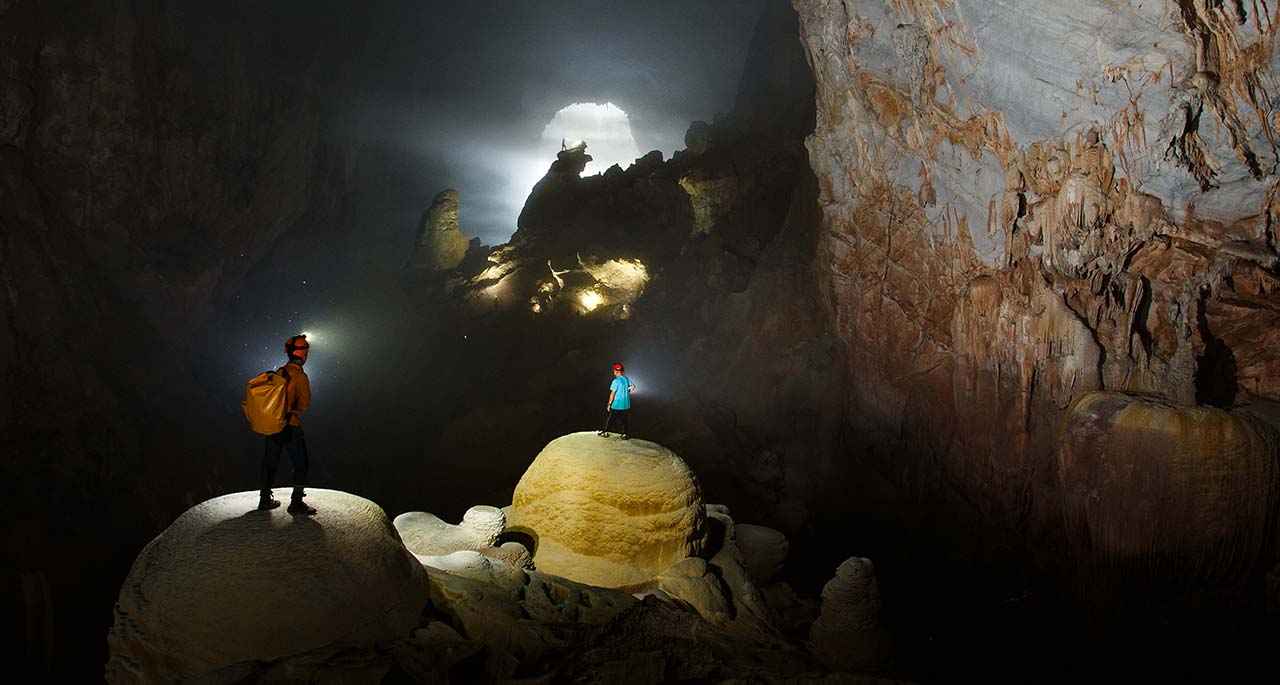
296,343
617,367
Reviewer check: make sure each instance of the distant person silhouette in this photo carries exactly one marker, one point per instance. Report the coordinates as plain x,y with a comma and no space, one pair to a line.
298,399
619,403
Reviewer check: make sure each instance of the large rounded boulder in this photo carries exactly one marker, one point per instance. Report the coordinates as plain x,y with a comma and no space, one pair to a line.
609,512
228,593
1156,492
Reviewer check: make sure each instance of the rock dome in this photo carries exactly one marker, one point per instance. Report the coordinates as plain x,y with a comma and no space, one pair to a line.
609,512
227,592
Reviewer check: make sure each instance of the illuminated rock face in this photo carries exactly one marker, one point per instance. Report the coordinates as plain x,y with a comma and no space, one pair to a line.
227,592
441,245
1187,495
609,512
1027,201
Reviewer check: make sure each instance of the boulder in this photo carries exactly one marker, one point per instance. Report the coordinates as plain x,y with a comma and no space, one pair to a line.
512,553
731,567
441,244
848,635
609,512
426,534
764,550
227,592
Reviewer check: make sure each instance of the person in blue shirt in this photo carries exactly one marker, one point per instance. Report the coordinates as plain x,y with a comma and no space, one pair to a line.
619,402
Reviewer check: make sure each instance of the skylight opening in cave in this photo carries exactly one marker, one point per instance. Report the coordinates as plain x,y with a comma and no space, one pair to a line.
605,129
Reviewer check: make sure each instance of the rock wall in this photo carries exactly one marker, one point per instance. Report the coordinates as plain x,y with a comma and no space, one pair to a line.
1026,201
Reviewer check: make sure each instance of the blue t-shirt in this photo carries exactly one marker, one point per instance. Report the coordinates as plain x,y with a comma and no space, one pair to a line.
621,395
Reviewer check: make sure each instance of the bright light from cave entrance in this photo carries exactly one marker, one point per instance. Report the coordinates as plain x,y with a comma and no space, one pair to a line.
605,129
590,299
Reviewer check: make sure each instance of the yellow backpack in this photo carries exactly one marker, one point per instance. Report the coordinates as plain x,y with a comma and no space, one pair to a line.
266,400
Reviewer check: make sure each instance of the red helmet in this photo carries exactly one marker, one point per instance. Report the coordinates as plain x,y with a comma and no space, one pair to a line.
617,367
296,343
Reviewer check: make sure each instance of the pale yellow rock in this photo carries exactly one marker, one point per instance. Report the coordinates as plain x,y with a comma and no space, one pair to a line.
692,582
227,593
609,512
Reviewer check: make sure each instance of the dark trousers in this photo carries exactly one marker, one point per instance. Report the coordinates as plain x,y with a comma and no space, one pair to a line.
288,439
622,416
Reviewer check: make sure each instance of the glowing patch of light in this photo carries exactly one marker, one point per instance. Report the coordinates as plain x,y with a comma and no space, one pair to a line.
620,274
590,299
605,129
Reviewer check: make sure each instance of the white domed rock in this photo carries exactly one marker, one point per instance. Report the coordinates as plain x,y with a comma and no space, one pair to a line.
227,592
609,512
427,535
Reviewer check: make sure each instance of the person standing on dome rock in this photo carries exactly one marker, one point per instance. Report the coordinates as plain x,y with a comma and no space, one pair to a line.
297,400
619,403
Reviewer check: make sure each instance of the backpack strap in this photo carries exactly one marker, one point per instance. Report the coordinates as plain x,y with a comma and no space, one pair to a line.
283,371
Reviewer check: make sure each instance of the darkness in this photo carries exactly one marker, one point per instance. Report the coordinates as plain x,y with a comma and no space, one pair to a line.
183,186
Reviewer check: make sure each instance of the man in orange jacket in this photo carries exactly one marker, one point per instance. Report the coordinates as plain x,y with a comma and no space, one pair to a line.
298,398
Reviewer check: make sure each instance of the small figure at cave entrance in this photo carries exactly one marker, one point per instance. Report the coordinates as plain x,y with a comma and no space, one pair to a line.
297,400
619,403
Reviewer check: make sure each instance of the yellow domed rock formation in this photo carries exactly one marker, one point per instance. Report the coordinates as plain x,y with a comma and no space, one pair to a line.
609,512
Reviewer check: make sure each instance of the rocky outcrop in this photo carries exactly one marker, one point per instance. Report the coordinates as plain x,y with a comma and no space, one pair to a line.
498,622
1025,202
228,593
609,512
441,244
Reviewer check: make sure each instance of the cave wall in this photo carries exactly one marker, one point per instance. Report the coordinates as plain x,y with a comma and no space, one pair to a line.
142,175
1026,201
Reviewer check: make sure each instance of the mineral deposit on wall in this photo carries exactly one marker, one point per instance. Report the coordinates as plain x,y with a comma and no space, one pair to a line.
1025,200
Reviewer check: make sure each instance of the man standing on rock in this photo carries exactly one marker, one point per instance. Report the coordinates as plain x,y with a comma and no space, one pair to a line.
619,402
297,399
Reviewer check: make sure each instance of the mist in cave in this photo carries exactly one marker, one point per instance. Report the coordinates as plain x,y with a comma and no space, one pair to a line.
937,341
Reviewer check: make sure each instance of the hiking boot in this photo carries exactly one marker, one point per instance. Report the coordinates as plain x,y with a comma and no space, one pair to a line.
603,434
267,503
299,508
